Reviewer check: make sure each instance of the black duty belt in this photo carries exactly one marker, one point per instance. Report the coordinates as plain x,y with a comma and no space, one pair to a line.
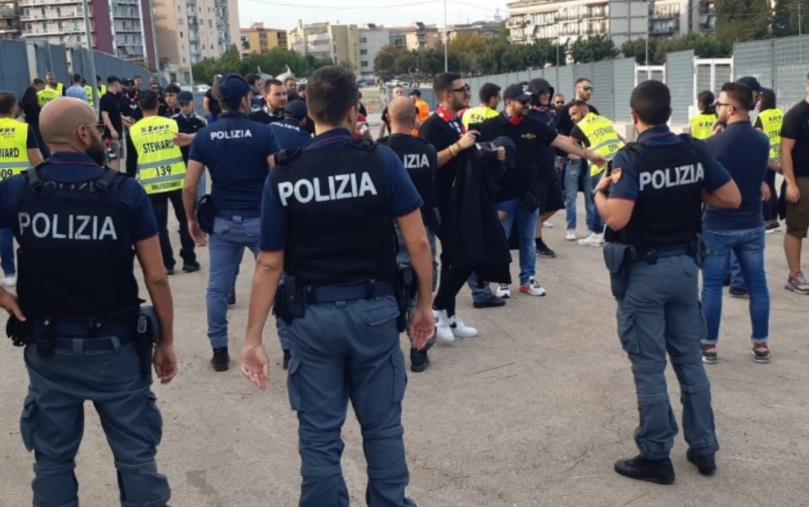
652,254
79,346
348,292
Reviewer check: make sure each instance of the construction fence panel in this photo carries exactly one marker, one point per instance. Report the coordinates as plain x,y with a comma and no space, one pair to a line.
14,70
680,79
603,88
755,59
623,84
58,59
791,64
565,82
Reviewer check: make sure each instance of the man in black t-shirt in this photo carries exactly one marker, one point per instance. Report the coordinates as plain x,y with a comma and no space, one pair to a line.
275,98
111,117
384,128
795,166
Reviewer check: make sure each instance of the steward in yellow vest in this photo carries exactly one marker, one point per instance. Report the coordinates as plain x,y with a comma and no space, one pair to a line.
18,146
702,124
771,122
89,90
489,100
160,161
601,137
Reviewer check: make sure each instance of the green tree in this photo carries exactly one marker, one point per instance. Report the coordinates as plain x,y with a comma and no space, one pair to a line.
704,46
636,49
593,49
742,20
787,15
385,61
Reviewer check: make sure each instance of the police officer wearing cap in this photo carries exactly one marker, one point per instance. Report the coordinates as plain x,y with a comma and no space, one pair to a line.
652,204
79,226
238,154
161,171
328,218
290,131
19,150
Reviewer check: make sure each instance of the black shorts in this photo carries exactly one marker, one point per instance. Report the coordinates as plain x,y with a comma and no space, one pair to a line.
550,195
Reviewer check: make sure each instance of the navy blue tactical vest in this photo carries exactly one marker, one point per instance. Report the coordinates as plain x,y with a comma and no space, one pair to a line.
668,211
414,152
339,223
76,255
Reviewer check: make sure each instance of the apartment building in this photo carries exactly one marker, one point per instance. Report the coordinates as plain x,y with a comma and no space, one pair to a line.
9,19
338,44
564,21
258,40
372,38
191,30
487,29
119,27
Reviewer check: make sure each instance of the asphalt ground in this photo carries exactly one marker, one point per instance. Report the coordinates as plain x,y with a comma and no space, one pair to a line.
532,412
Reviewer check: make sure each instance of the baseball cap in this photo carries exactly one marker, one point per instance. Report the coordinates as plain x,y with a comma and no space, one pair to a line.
185,97
297,109
232,88
751,83
515,92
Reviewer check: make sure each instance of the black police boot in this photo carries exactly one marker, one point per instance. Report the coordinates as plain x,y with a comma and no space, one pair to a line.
660,471
543,250
419,360
705,463
190,267
232,299
286,359
169,270
491,302
221,359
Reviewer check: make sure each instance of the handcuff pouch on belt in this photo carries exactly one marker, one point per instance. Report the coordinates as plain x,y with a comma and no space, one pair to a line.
407,285
206,213
290,301
618,257
146,337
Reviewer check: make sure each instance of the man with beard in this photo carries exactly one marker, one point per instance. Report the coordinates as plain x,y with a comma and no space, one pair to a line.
78,310
275,98
520,196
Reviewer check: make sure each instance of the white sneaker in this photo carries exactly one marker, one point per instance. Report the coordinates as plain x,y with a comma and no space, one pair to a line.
10,281
443,329
547,225
461,330
592,240
570,235
503,291
532,288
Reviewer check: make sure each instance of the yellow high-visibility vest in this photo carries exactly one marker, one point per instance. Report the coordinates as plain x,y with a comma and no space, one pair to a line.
47,94
13,148
160,161
102,89
475,115
702,126
88,90
604,139
771,121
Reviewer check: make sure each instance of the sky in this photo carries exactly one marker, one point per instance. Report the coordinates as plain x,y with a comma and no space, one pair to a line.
284,14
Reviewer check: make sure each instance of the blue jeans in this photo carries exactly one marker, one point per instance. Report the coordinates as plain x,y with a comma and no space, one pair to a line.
660,316
340,352
736,276
52,421
526,223
748,245
227,243
594,222
7,251
577,173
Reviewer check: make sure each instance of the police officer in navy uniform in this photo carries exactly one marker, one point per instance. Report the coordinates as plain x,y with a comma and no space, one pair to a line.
238,153
419,158
291,132
79,227
328,218
652,204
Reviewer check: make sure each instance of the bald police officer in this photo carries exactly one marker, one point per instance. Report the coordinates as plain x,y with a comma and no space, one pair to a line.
652,204
237,152
79,226
327,220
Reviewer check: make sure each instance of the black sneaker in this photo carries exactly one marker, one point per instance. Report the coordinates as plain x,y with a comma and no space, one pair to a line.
419,360
287,356
232,299
660,471
490,302
761,353
221,359
709,354
170,271
704,462
738,292
544,250
190,267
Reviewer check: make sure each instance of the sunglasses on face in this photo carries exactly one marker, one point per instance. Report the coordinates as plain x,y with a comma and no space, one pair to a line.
464,88
587,88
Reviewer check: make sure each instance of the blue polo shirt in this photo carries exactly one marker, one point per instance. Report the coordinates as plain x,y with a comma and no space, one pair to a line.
403,194
289,134
745,152
235,150
72,168
628,186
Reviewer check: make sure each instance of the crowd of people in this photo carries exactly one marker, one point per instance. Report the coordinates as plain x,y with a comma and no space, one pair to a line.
345,230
